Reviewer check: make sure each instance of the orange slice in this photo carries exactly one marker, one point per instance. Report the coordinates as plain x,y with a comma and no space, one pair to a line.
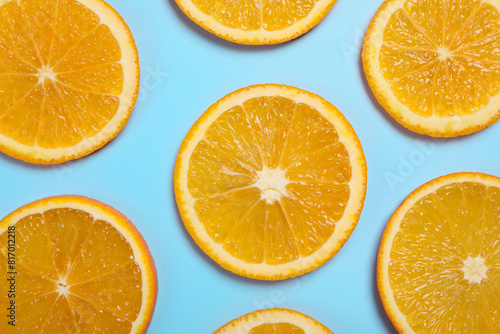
69,78
439,261
74,265
434,65
256,21
274,321
270,181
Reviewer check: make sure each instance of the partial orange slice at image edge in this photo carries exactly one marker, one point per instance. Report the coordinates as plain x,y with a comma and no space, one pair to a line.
434,65
256,22
69,78
274,321
439,260
76,265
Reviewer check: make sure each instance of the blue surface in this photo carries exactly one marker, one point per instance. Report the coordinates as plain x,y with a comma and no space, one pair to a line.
184,71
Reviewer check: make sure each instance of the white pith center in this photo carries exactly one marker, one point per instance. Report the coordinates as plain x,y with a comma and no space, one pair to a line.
46,73
474,269
444,53
272,183
62,288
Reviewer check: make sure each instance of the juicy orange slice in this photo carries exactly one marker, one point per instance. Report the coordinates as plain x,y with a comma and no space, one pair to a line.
256,21
270,181
69,78
434,65
274,321
439,261
74,265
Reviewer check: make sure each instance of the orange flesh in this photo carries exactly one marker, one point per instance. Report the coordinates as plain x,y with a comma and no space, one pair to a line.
439,233
443,60
60,73
251,15
277,224
279,328
68,250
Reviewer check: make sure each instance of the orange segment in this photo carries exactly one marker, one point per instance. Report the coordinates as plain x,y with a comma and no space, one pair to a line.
281,244
324,198
485,49
410,61
97,47
331,164
301,140
217,213
256,21
88,112
18,88
469,97
40,261
34,314
269,119
443,103
30,287
312,211
16,36
281,328
232,133
69,78
63,225
56,125
477,21
266,179
61,318
437,265
485,73
104,79
216,174
92,319
69,30
401,32
246,239
279,15
242,15
103,290
427,15
458,13
74,272
12,63
30,105
489,236
274,321
416,90
432,64
39,15
108,252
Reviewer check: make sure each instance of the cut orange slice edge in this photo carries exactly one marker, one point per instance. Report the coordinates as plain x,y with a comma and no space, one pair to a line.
270,181
69,78
433,65
274,321
439,259
75,265
256,22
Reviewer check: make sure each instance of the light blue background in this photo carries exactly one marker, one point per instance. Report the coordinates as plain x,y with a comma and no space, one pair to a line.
184,71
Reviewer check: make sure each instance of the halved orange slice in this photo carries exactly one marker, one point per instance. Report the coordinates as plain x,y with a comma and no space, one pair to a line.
439,260
434,64
256,21
274,321
69,78
270,181
74,265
